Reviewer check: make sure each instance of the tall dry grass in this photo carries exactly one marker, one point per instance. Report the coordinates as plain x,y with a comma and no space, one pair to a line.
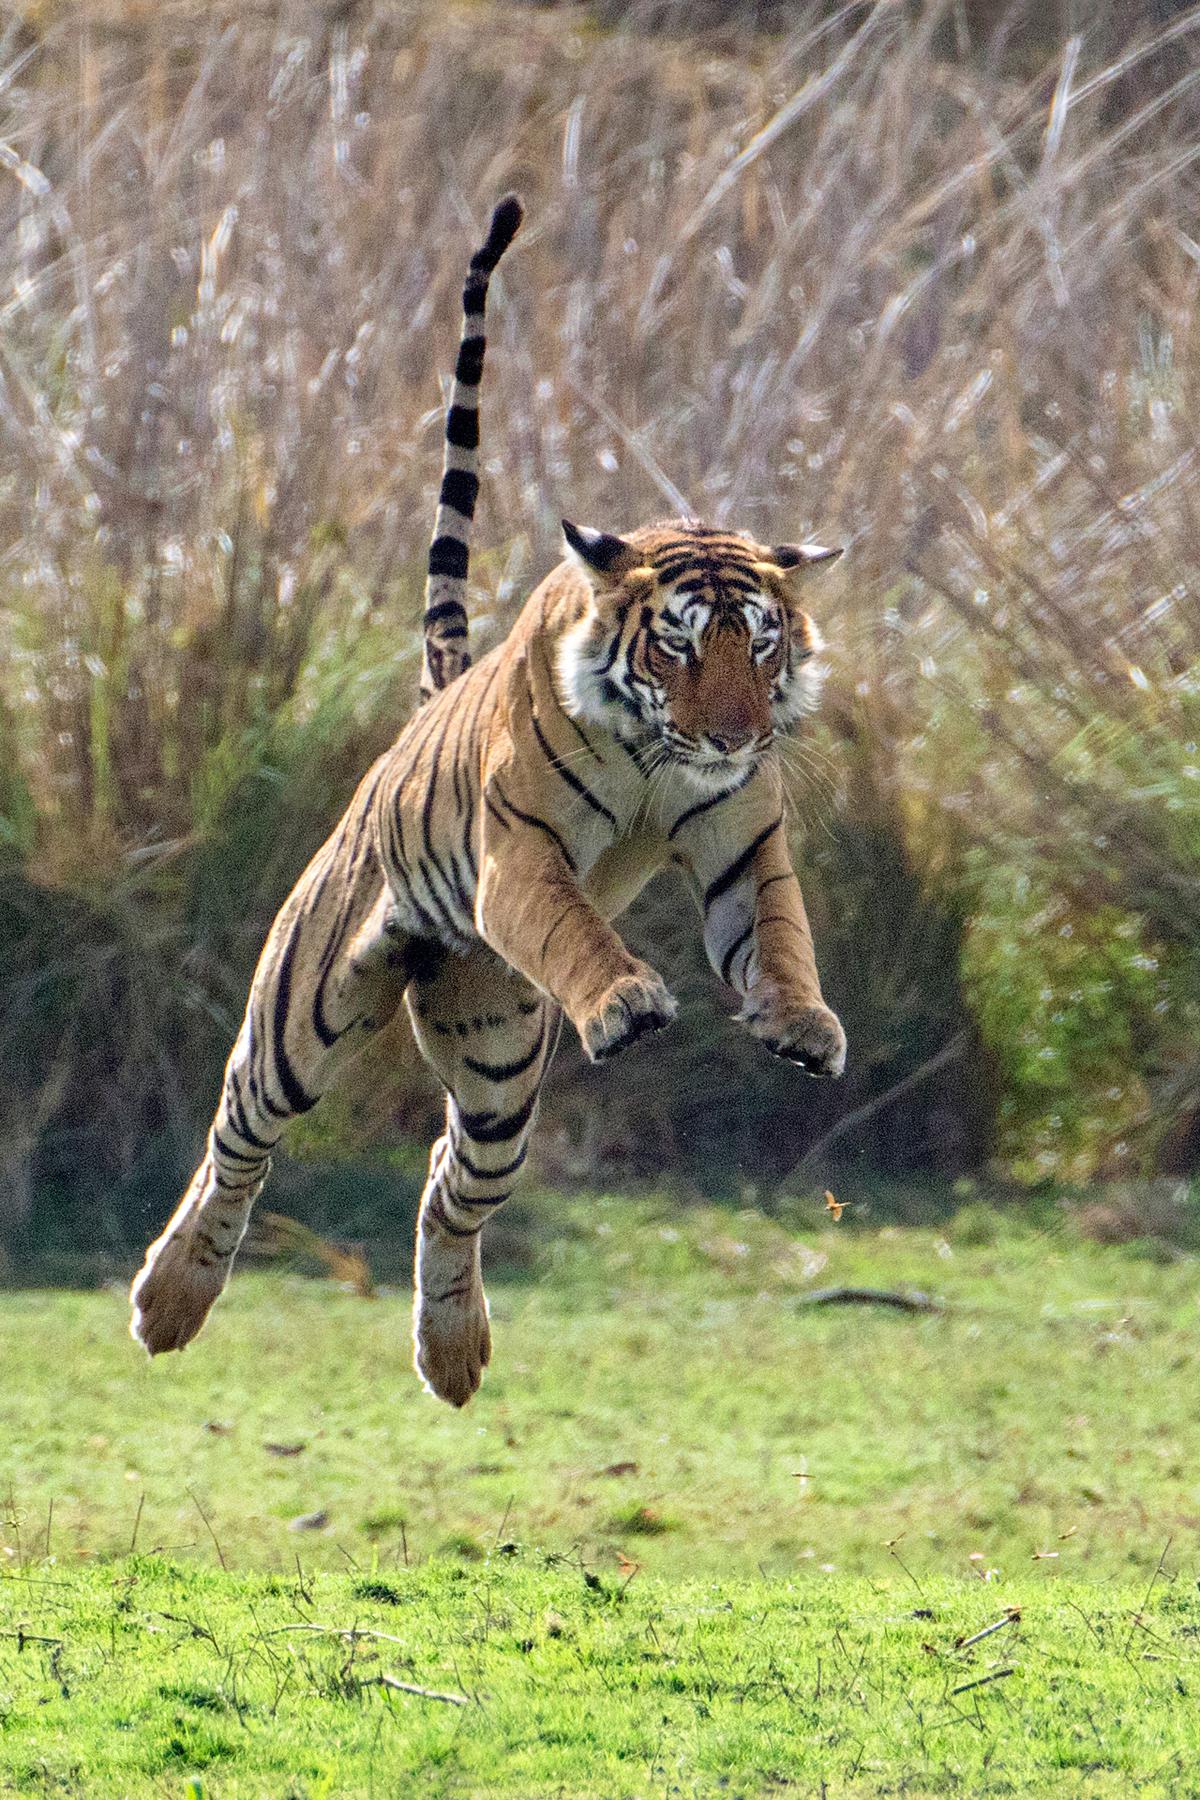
835,280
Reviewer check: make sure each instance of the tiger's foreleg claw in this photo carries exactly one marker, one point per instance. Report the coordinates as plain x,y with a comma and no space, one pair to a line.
809,1036
631,1007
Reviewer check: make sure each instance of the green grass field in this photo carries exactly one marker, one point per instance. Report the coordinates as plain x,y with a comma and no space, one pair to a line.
694,1537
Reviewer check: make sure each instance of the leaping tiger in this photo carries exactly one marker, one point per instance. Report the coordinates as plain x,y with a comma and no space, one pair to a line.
630,720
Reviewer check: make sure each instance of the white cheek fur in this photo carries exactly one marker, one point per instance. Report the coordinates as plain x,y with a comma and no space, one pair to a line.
803,692
579,681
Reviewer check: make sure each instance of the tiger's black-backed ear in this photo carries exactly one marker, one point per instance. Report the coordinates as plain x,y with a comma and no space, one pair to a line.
603,557
802,556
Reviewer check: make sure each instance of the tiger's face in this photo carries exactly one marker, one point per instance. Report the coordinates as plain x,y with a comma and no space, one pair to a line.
695,645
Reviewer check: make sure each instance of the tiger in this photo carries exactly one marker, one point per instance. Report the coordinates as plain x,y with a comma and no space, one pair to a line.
630,722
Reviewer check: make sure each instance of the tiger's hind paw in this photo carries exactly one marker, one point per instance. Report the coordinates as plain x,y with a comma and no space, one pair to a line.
452,1343
632,1006
173,1293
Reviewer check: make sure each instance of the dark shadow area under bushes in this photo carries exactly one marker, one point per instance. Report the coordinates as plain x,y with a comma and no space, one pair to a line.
115,1033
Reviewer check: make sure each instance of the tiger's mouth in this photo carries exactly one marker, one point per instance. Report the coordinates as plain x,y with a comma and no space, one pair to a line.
711,769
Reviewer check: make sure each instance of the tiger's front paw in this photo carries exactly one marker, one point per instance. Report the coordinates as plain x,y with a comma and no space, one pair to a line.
810,1036
632,1006
452,1341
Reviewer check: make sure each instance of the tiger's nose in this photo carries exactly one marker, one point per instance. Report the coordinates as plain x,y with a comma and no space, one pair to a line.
727,741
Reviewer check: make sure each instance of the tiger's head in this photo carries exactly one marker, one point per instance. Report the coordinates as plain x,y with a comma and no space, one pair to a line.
694,641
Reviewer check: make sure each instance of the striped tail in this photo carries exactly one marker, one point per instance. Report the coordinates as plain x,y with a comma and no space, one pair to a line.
445,623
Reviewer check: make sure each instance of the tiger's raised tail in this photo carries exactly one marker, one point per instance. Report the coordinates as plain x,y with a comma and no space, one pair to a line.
445,623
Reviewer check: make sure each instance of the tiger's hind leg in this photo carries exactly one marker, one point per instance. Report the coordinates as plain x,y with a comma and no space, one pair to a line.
332,973
489,1035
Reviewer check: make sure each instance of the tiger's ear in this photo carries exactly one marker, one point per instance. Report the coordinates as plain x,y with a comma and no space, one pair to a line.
604,559
802,556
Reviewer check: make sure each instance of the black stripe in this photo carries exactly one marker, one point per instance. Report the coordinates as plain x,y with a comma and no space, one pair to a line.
617,697
457,900
739,865
391,830
435,760
462,428
450,911
346,913
451,1293
478,1174
455,769
434,898
462,1200
444,609
241,1123
463,888
582,735
610,659
499,817
782,919
572,780
448,556
727,959
424,917
460,489
507,1071
529,819
237,1156
437,1212
435,756
469,367
466,729
561,920
485,1128
333,944
294,1092
703,806
258,1093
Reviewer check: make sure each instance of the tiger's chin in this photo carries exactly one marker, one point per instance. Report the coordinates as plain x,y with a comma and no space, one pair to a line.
715,775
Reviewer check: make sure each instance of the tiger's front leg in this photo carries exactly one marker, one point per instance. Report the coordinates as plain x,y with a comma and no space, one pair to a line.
489,1036
756,932
533,912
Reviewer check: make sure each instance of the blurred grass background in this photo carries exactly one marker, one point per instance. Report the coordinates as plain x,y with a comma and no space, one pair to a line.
919,278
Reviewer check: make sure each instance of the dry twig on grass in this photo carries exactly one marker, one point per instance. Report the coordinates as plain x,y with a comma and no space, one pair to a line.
407,1687
982,1681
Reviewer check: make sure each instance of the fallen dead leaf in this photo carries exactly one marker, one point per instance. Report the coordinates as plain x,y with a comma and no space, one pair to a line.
277,1235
